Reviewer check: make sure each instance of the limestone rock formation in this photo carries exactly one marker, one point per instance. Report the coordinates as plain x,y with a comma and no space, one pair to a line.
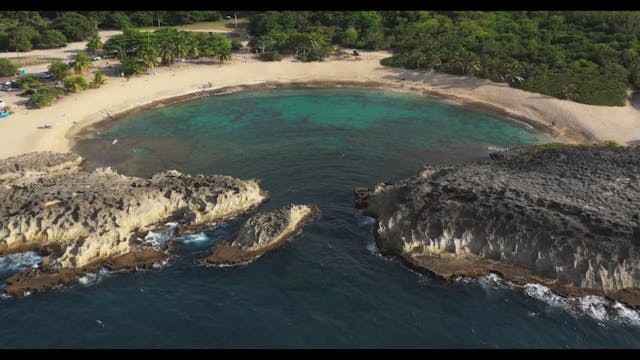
565,217
261,233
85,219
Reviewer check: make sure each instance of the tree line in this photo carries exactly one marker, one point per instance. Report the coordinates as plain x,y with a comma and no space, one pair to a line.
585,56
139,51
26,30
591,57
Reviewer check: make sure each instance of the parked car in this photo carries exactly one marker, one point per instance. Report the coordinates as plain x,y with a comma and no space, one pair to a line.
96,58
2,104
9,85
45,75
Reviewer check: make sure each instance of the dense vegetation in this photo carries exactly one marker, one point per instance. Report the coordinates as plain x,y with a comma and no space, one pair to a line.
42,92
309,35
586,56
589,57
7,68
26,30
45,96
139,51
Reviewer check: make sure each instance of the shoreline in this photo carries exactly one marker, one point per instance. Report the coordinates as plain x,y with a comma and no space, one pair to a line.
83,130
77,114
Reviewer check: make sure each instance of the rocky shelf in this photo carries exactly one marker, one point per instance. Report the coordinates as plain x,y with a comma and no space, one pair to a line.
566,217
261,233
85,220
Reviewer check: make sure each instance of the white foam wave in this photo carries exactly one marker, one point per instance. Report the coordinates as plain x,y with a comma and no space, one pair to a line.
19,261
626,315
494,281
160,264
244,263
525,124
497,148
94,278
160,238
88,279
373,248
596,307
198,238
366,221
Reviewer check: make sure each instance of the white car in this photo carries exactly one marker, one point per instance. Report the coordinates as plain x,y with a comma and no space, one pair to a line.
96,58
2,104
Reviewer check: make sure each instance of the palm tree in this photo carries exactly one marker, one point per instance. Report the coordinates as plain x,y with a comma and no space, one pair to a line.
224,56
82,63
99,79
570,92
94,43
149,56
167,53
514,73
192,44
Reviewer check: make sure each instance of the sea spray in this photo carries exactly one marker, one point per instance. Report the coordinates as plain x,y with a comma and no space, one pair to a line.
596,307
194,239
19,261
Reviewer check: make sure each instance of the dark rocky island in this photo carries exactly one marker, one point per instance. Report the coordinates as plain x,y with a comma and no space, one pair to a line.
261,233
83,220
566,217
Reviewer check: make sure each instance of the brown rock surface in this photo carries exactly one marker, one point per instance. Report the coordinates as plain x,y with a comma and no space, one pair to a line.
567,218
262,233
85,219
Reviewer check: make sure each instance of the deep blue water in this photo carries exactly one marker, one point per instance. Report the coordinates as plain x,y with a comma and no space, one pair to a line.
327,287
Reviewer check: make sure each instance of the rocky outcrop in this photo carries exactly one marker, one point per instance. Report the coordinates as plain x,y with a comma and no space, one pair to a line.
85,219
263,232
24,169
565,217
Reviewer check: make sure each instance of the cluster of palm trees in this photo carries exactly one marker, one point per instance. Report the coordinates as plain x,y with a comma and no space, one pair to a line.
146,50
306,46
461,61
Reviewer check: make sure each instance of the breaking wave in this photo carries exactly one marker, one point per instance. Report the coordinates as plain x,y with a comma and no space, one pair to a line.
19,262
596,307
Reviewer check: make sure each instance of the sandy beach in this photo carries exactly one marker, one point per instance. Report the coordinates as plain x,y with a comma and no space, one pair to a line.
568,121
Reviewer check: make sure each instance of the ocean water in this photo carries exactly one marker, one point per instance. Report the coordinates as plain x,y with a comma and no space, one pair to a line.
328,287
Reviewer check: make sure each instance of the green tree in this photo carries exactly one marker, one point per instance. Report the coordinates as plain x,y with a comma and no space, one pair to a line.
75,26
120,20
4,40
59,70
142,18
30,81
95,44
51,39
44,97
82,63
99,79
7,68
635,76
76,83
20,38
350,37
149,56
131,66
